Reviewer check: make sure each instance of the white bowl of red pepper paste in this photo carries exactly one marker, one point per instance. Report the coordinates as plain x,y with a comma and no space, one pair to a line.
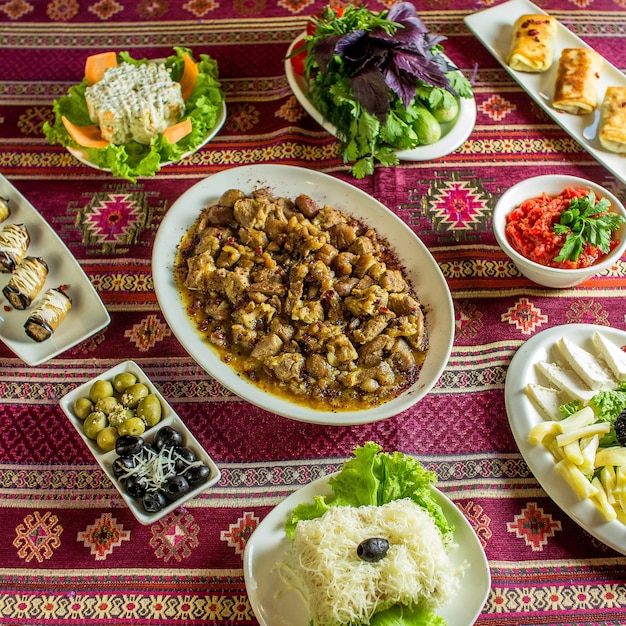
560,230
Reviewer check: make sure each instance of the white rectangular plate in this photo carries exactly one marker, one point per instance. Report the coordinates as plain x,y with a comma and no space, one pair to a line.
168,418
494,27
88,314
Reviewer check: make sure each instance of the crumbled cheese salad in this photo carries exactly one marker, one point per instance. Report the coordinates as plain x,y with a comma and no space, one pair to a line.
132,116
375,552
135,102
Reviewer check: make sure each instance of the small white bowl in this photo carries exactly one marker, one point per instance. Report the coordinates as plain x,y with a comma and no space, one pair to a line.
168,418
553,184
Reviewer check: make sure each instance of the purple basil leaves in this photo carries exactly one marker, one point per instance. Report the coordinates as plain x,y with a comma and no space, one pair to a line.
378,61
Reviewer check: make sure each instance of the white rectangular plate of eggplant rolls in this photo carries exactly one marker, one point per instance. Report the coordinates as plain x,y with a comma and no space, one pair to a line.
494,29
87,314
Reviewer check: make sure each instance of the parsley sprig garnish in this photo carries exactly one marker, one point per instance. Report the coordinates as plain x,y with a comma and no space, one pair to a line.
586,221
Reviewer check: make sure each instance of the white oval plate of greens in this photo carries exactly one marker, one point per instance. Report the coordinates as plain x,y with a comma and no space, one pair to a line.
453,134
276,604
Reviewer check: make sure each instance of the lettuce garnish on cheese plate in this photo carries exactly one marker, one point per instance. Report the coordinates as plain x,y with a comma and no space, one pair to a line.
203,98
383,492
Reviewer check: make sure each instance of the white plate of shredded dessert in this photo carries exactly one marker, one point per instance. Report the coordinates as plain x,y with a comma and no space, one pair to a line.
276,603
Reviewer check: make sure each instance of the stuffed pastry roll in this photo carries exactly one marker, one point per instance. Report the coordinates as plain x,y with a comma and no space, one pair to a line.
4,209
578,75
26,282
14,242
49,313
532,44
612,132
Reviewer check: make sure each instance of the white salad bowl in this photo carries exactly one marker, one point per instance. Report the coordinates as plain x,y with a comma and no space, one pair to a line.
553,184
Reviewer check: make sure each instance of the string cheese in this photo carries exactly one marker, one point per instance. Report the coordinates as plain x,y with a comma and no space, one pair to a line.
343,589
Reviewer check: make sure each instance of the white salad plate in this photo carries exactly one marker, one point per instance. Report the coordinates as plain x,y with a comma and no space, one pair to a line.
453,134
523,416
494,28
276,604
283,180
81,155
88,314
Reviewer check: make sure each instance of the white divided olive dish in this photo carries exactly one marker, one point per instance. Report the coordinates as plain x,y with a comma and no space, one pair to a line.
88,314
494,27
168,418
288,181
453,134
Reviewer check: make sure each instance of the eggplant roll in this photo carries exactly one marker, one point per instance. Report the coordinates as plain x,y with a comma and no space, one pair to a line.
26,282
5,211
532,44
14,242
612,134
49,313
577,78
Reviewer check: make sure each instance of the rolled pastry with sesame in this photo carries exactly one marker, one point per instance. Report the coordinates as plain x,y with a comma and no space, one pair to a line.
26,282
14,242
577,79
48,315
532,44
612,133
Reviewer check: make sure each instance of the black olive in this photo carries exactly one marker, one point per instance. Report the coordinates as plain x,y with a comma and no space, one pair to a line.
620,428
372,549
184,458
127,445
136,486
175,487
167,436
122,465
153,501
197,474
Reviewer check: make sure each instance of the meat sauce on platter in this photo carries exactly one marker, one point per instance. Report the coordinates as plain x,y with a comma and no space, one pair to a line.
302,300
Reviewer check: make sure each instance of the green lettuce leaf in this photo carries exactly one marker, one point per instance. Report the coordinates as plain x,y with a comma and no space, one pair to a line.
373,477
399,615
133,159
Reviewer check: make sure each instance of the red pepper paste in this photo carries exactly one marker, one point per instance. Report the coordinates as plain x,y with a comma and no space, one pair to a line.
530,230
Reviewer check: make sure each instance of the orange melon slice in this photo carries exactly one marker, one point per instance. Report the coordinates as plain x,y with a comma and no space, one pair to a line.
189,77
176,132
97,64
87,136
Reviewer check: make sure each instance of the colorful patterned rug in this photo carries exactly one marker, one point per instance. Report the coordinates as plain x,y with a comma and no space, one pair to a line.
71,551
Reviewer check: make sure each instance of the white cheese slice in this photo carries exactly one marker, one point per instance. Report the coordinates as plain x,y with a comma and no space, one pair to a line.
612,354
587,366
546,400
566,380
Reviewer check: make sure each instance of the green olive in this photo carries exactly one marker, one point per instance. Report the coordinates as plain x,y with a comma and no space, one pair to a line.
123,381
120,415
83,407
149,410
134,394
94,423
106,438
100,389
134,426
107,405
